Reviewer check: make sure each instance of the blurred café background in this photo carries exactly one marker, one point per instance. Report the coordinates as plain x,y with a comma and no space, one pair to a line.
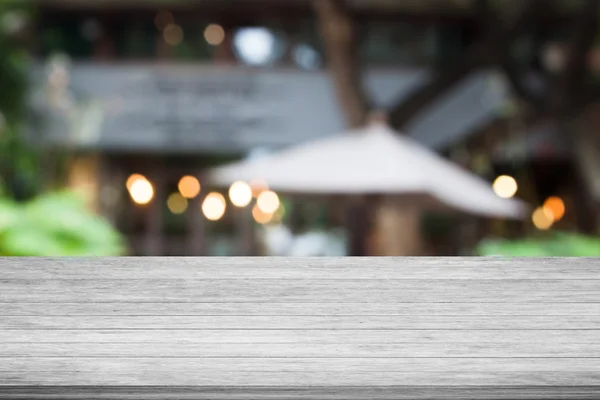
299,127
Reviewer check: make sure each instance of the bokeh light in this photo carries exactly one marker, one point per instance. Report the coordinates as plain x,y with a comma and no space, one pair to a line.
255,45
173,34
141,191
258,186
240,194
189,187
260,216
162,19
214,206
542,218
132,178
214,34
556,206
268,202
505,186
177,204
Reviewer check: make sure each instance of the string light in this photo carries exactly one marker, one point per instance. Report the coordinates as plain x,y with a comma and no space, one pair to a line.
261,217
556,206
214,206
173,34
542,218
505,186
141,191
177,204
258,186
240,194
132,178
268,202
189,187
214,34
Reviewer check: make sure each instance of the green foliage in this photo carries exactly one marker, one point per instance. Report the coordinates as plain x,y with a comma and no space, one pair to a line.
557,245
55,224
18,162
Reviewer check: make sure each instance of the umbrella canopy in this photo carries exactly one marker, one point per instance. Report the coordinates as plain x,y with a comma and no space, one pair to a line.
372,160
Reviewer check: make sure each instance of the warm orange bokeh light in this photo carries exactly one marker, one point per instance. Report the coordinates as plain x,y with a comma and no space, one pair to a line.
173,34
260,216
556,206
240,194
268,202
505,186
177,204
214,206
189,187
132,179
258,186
214,34
542,218
141,191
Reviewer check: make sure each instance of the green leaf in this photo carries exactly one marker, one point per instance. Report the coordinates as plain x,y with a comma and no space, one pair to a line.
56,224
557,245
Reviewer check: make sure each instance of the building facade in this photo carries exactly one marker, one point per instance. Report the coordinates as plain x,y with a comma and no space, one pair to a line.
137,88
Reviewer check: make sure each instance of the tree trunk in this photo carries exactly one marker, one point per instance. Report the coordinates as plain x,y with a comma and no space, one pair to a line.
341,40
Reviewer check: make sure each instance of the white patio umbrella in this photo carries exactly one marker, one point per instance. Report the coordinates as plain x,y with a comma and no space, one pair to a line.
372,160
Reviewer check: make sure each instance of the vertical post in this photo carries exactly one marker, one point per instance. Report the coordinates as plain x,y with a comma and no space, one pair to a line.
196,245
154,240
224,53
357,225
106,174
245,231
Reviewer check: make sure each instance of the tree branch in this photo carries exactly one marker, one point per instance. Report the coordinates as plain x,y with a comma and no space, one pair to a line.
494,46
339,34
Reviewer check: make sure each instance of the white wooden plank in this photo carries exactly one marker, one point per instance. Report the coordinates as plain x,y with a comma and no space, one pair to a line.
318,291
279,323
166,268
349,308
355,322
225,366
301,337
423,348
440,379
470,392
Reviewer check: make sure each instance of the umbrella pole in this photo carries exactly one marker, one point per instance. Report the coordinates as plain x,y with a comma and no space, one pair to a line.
358,224
398,225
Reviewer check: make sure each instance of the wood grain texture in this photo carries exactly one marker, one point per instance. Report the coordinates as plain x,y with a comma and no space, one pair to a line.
279,328
302,290
297,392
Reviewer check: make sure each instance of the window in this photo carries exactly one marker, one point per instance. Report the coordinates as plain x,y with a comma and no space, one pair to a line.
67,35
387,43
151,35
135,39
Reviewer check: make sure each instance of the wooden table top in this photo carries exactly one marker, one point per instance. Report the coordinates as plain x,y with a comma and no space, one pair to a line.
280,328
